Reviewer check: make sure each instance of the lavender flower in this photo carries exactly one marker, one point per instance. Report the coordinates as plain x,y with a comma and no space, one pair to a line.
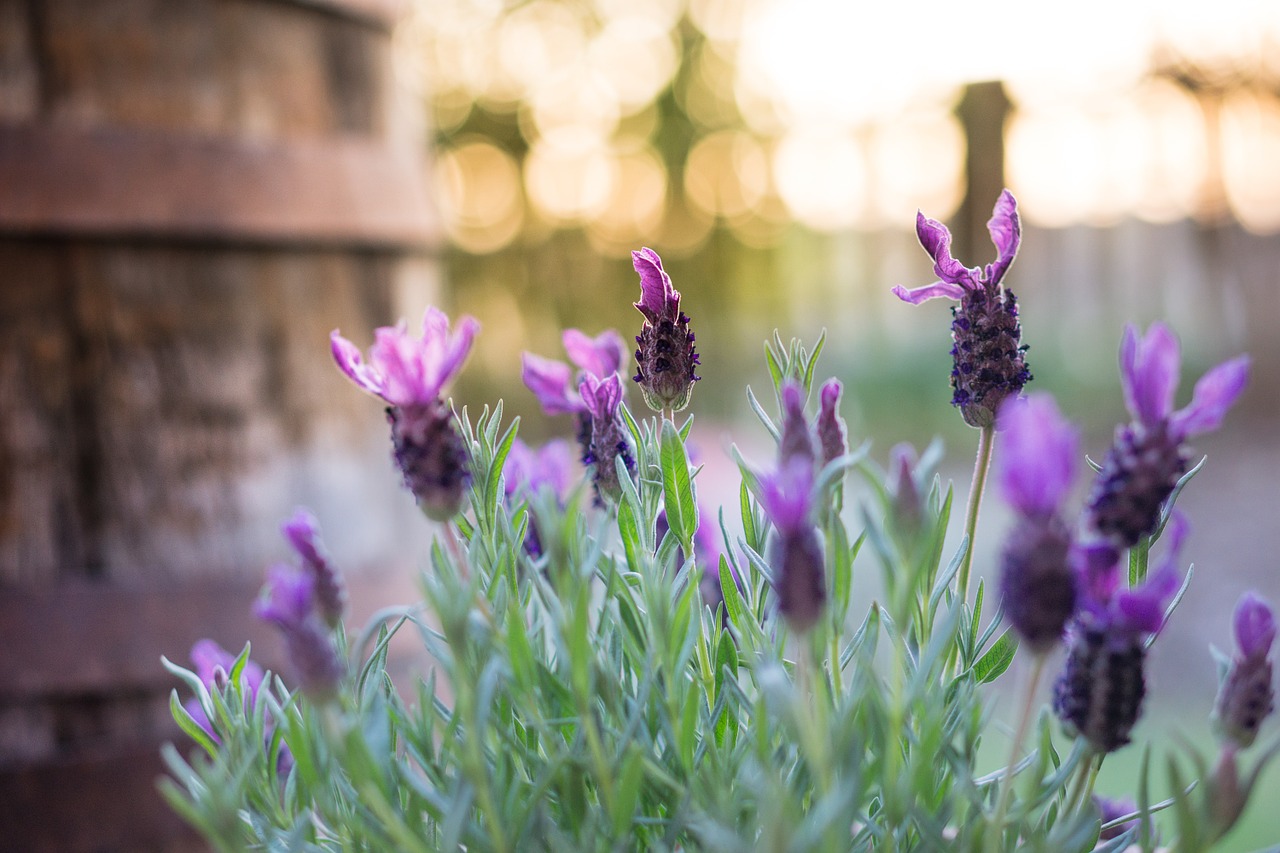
1037,580
1100,691
213,665
302,531
529,471
796,439
1147,457
665,357
989,365
608,437
409,374
908,503
555,386
1247,695
796,551
1110,810
288,601
832,434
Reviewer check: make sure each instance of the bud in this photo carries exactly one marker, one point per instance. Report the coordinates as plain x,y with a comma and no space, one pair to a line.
796,439
302,531
1246,696
665,356
608,437
795,554
1037,581
1099,694
832,434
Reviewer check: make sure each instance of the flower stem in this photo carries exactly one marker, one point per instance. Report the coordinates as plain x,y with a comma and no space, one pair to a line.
996,830
986,439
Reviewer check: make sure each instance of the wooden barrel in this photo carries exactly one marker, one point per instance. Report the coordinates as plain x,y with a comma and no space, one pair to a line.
193,193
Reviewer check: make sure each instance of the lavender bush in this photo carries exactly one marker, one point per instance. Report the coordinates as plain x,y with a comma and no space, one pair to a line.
617,666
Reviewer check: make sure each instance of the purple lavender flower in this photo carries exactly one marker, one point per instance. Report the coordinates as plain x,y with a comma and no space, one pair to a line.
796,439
554,383
1247,695
1148,456
409,374
608,437
988,352
665,357
1113,809
213,666
908,504
551,467
288,601
1037,580
1100,691
302,531
832,434
796,551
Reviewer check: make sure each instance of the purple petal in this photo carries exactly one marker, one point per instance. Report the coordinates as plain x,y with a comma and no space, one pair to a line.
601,396
1097,565
936,240
658,298
302,533
787,494
453,352
349,360
287,596
207,656
1006,232
1255,626
1142,609
939,289
600,355
829,396
394,354
549,381
1152,375
1038,457
553,466
1214,394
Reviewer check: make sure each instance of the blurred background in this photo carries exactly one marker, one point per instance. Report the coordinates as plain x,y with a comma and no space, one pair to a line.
193,193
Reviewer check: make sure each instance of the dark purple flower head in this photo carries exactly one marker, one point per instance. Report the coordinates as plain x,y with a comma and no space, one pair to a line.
665,352
989,363
404,370
608,438
795,552
554,383
1246,696
1148,456
288,597
432,457
832,434
302,532
1038,456
955,278
796,439
1149,371
531,470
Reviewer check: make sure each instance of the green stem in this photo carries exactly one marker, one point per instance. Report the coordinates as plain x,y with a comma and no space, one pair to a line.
996,832
1083,776
977,486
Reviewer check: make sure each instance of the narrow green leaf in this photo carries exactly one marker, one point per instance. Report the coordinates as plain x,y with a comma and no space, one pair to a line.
771,360
492,492
626,795
813,360
677,487
760,413
997,659
188,724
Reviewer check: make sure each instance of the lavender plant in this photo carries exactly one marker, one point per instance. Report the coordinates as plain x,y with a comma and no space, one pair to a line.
634,670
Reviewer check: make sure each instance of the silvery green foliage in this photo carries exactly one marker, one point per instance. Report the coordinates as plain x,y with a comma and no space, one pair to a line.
585,699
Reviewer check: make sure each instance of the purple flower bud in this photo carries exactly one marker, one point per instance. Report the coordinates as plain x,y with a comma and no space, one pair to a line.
1148,456
302,531
1113,809
1037,581
832,434
989,365
287,598
432,457
796,438
908,504
1247,695
608,436
313,658
665,357
795,553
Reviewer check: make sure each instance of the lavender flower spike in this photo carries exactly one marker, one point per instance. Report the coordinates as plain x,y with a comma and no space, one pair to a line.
796,439
796,551
410,374
1148,456
608,437
302,531
665,356
1037,579
1247,694
989,365
832,434
288,602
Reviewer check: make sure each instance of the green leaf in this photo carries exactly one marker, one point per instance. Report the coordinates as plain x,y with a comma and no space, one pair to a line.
760,413
813,361
627,793
188,724
771,360
500,457
677,487
997,659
